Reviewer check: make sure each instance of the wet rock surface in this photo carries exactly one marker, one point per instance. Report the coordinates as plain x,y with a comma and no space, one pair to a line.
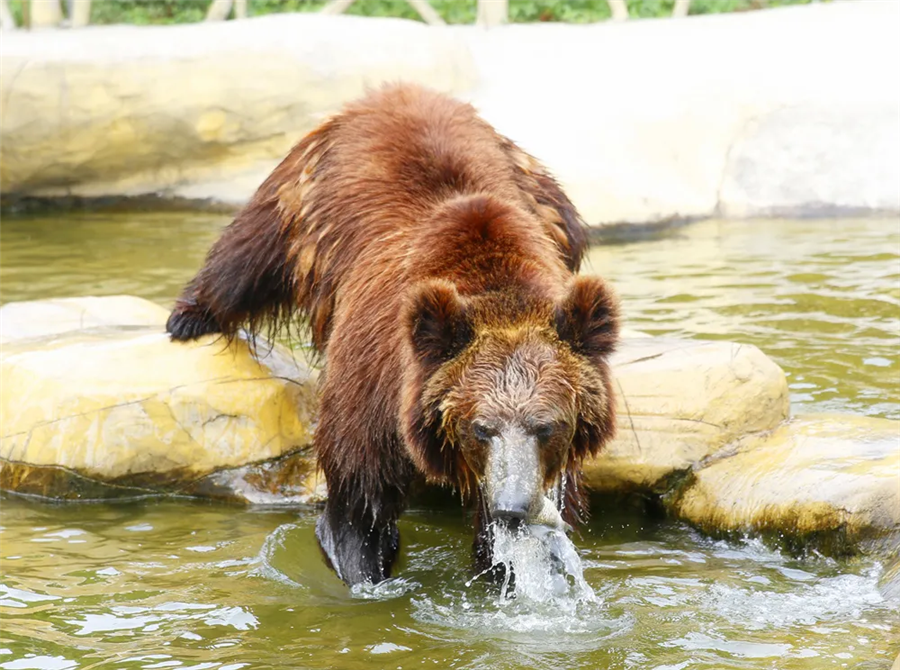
889,583
107,411
680,401
120,411
93,410
36,318
826,481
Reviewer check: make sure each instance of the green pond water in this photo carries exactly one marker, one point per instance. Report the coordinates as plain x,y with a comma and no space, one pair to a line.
183,584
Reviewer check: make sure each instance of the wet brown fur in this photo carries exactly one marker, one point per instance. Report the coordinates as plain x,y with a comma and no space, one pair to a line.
421,248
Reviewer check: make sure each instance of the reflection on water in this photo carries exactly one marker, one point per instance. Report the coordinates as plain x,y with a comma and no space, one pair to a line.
181,585
177,584
820,297
149,254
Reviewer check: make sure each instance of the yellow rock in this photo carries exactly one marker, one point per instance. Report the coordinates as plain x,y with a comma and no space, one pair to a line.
129,110
126,410
889,582
118,411
35,318
817,474
680,401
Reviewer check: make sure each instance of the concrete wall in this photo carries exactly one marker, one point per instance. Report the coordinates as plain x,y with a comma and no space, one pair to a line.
786,112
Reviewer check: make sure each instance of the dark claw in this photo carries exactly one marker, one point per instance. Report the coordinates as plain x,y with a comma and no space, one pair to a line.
188,323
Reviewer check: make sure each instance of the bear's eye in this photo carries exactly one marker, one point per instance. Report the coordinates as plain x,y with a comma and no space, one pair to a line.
543,431
482,432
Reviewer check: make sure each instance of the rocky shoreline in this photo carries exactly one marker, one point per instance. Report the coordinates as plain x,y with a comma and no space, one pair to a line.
704,428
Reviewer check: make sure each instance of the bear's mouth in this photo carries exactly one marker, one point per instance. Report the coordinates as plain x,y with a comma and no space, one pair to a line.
541,517
510,524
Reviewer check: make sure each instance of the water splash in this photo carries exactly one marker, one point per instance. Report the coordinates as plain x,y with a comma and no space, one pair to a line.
265,559
384,590
548,595
545,565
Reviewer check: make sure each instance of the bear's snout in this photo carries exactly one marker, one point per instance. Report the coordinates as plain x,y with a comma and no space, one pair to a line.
513,475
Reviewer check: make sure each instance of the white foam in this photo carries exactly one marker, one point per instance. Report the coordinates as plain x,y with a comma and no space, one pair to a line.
545,565
548,594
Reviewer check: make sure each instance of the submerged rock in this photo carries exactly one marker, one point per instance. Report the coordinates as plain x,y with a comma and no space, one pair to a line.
119,411
679,402
825,481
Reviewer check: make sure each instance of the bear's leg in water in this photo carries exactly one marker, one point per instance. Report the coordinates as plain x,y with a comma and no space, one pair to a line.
368,476
358,535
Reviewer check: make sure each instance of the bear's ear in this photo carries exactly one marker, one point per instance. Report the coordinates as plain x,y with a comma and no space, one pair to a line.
588,317
437,322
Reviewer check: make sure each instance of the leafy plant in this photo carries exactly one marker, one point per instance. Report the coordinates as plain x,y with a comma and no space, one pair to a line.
144,12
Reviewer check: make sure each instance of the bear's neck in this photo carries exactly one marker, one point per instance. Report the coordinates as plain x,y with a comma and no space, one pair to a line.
485,245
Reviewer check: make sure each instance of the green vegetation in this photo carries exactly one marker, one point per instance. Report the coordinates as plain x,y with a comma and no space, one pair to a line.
143,12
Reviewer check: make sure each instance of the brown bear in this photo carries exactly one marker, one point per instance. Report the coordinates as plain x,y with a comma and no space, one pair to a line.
433,262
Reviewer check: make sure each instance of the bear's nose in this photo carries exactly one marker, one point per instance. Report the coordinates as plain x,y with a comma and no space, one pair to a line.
510,507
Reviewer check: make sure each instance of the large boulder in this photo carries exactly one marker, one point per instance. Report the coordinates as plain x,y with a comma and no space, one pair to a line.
680,401
752,132
37,318
833,481
197,110
809,160
96,402
114,411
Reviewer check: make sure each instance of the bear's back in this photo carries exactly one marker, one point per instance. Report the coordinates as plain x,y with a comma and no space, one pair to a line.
355,194
405,149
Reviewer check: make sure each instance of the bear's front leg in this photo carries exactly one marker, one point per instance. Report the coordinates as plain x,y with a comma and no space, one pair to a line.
357,531
358,551
365,463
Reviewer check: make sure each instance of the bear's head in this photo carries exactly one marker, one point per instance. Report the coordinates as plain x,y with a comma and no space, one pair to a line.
505,393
